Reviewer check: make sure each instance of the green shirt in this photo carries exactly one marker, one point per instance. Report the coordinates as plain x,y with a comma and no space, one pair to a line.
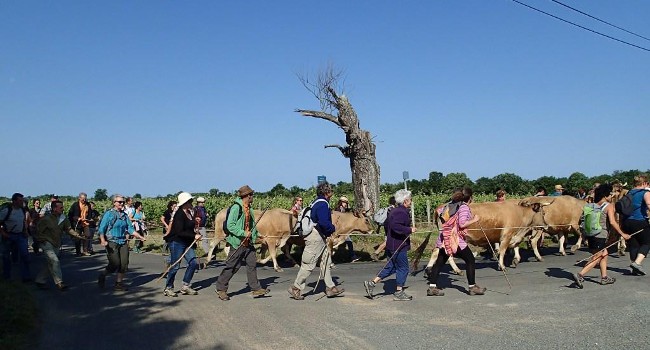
49,229
236,226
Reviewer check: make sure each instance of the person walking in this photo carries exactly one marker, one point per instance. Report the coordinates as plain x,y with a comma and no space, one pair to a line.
451,241
297,206
34,218
381,247
113,230
182,236
93,220
398,242
639,244
202,214
240,223
137,218
79,220
13,228
597,240
50,231
316,245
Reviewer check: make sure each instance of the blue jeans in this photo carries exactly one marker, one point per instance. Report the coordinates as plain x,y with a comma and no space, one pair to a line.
176,250
398,263
16,244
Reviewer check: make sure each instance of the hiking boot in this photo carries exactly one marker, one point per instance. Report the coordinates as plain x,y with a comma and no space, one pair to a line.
607,280
222,294
120,287
402,296
295,294
260,292
370,286
476,290
578,280
637,269
334,291
101,280
62,287
168,292
435,292
187,290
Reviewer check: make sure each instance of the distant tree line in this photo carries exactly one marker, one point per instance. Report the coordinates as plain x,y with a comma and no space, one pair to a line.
436,183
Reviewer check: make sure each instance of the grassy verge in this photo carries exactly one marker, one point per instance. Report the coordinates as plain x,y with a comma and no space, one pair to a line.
18,316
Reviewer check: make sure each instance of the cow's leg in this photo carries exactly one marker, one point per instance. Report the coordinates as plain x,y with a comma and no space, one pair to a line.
496,251
263,250
432,261
517,259
211,251
454,267
561,243
273,254
621,246
503,247
578,244
537,235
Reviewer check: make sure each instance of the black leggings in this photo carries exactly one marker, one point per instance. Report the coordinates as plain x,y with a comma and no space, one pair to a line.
640,242
465,254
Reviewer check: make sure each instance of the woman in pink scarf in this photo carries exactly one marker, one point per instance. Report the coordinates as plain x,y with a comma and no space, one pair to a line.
451,241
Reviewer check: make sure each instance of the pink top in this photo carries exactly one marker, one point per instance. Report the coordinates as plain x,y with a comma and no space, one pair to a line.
464,215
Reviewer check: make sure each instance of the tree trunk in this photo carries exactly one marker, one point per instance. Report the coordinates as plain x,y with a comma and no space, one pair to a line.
360,150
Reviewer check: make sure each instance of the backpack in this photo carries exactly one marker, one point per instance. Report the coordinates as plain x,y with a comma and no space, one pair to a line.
450,209
225,222
9,206
110,226
625,206
305,225
381,215
591,214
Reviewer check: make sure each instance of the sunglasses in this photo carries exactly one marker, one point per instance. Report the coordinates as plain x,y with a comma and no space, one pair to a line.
121,202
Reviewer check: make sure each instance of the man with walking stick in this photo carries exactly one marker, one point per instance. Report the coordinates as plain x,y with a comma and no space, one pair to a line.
398,242
241,233
316,246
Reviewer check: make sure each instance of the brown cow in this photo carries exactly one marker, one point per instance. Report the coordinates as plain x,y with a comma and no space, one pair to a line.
561,217
274,230
506,223
345,224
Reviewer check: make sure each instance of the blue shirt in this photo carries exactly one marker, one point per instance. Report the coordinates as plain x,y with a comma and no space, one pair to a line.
322,216
115,225
640,208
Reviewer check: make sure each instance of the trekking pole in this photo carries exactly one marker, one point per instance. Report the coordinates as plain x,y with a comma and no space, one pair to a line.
323,265
177,261
503,269
392,256
600,251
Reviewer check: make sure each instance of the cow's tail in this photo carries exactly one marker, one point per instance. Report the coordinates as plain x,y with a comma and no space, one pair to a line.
418,254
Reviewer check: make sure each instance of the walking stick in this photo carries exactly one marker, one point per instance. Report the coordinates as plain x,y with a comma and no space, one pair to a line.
323,264
391,258
600,251
495,254
177,261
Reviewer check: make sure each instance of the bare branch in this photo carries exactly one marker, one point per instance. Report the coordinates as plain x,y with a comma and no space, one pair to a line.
344,150
318,114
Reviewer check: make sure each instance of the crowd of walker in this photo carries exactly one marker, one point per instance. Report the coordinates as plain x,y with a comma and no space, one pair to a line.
184,227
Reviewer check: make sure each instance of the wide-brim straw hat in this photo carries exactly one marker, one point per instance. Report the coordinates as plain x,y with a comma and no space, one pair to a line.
183,197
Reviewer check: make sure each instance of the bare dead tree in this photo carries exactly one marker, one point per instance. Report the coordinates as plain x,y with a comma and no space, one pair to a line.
360,149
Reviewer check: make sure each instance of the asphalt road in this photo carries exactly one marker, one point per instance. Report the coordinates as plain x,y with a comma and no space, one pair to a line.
542,311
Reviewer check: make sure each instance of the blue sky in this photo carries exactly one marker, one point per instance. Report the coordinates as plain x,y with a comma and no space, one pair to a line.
154,97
